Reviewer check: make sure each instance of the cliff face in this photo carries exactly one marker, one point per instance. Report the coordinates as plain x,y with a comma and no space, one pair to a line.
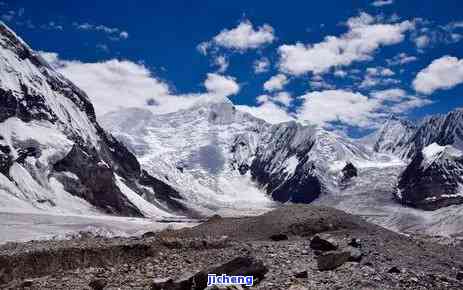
55,156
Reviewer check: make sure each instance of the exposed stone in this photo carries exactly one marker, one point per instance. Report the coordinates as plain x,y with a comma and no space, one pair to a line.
27,283
394,270
245,266
355,254
332,259
356,243
98,284
323,243
348,172
302,274
460,275
148,235
278,237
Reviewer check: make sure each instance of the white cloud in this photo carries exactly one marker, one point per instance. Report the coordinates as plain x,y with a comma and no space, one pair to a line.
267,111
401,58
124,34
222,63
358,44
323,107
275,83
283,98
379,3
376,76
262,99
443,73
340,73
317,82
411,102
242,37
261,65
379,71
114,33
346,108
221,85
115,84
422,41
393,95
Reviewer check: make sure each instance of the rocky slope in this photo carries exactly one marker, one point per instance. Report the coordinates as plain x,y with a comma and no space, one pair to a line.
54,156
406,140
293,247
433,179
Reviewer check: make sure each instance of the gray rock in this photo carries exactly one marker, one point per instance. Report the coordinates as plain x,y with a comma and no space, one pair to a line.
355,254
332,259
323,243
98,284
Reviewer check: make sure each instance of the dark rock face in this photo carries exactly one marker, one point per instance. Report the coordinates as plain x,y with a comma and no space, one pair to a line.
407,140
348,172
303,186
63,107
96,182
431,186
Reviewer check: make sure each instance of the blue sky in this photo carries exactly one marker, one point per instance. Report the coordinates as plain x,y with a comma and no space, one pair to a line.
380,57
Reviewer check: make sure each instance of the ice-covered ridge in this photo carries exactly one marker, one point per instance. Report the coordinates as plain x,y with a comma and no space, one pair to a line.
433,152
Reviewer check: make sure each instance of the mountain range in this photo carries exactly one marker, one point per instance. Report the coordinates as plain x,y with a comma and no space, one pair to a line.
211,158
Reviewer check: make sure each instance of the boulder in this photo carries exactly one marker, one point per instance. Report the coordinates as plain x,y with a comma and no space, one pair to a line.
323,243
301,274
394,270
278,237
355,254
245,266
332,259
98,284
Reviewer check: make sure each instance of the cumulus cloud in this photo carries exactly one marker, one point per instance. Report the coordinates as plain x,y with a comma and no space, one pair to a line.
221,85
275,83
380,3
261,65
346,108
115,84
268,111
350,108
363,37
443,73
241,38
284,98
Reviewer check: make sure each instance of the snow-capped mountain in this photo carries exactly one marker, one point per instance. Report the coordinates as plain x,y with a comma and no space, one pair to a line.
405,140
433,179
222,159
53,154
393,136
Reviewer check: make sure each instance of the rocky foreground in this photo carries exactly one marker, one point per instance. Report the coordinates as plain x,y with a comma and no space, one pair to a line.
293,247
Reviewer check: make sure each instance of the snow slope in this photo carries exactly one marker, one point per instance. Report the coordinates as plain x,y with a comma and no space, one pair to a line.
54,156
